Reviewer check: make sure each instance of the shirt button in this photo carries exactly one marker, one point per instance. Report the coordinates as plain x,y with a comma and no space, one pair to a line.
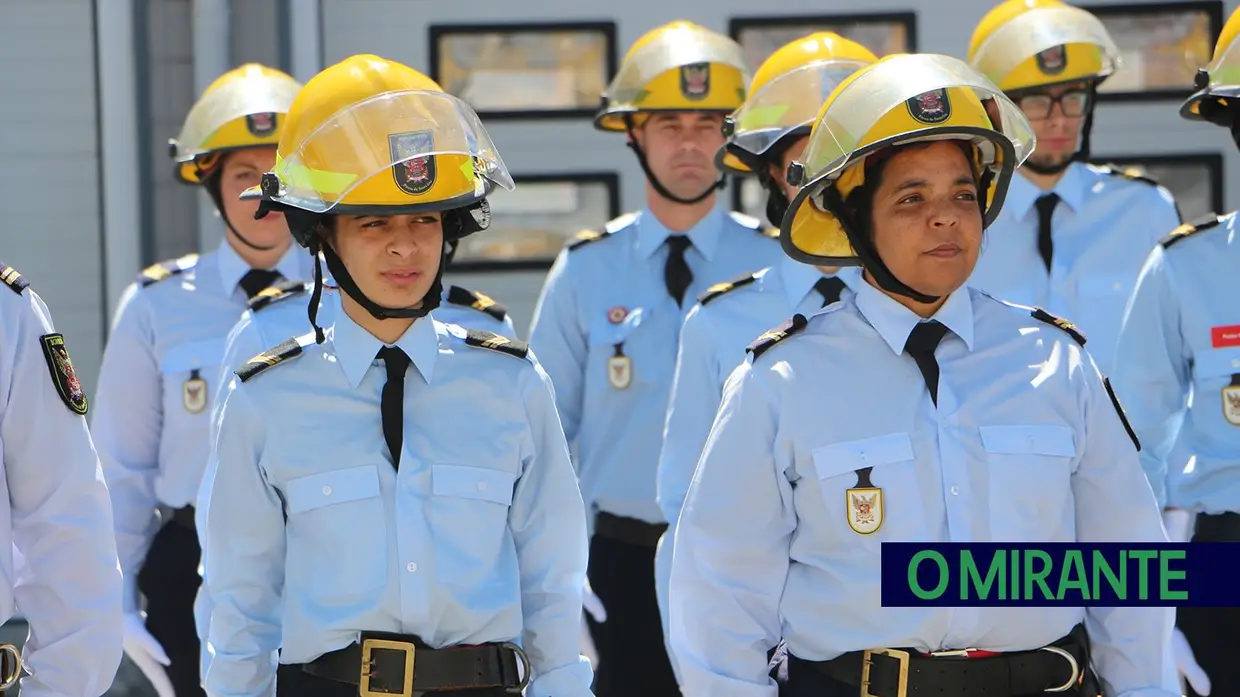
482,486
955,491
411,567
327,491
863,457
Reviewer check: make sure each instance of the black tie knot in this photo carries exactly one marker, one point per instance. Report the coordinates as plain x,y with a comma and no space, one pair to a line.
1045,206
921,343
255,280
395,360
677,274
829,287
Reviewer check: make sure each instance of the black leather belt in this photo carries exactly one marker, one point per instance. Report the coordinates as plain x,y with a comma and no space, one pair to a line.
1058,668
395,664
1217,527
628,530
184,516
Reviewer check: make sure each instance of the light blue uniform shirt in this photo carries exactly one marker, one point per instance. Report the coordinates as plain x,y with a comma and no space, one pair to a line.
54,510
1181,338
712,345
153,402
1102,230
1025,446
261,329
609,295
479,537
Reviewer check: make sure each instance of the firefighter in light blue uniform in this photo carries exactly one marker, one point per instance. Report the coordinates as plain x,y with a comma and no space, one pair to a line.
152,406
764,135
1072,236
1178,370
58,568
982,421
609,317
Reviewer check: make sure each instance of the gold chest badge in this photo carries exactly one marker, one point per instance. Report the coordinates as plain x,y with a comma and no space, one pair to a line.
1231,404
620,369
194,393
864,504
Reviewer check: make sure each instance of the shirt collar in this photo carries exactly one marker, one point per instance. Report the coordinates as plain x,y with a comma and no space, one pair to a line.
798,278
894,322
357,348
232,267
704,235
1071,189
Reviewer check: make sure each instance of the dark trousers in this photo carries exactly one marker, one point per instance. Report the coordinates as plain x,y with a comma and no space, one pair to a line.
1212,631
169,579
292,681
632,657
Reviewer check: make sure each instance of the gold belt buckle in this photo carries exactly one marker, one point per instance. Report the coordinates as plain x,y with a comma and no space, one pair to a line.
867,662
369,645
9,655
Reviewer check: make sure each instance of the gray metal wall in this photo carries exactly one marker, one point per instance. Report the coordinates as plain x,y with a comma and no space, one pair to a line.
49,165
397,29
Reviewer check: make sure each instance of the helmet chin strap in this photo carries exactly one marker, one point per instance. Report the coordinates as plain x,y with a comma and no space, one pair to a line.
211,180
654,181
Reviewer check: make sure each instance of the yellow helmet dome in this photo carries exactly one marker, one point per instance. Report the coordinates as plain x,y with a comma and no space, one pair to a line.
679,66
786,93
243,108
901,99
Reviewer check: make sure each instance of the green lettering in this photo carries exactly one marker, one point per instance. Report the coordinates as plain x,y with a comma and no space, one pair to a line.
971,579
1014,593
1119,584
1033,576
1073,564
1166,574
944,575
1143,556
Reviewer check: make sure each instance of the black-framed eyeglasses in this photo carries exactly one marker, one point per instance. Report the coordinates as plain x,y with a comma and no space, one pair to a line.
1038,106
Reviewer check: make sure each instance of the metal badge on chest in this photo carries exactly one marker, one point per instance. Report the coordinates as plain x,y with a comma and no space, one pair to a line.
864,504
619,366
194,393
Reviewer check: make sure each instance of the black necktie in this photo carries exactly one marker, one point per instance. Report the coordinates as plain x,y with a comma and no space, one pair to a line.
392,402
255,280
922,342
829,287
677,274
1046,207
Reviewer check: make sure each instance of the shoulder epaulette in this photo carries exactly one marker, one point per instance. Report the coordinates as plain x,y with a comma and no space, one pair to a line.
166,269
1068,327
771,232
1205,222
763,343
726,287
614,225
473,299
750,222
1135,174
12,278
497,342
269,358
274,294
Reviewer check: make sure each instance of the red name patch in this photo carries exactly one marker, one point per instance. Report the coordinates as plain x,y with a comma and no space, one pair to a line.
1222,337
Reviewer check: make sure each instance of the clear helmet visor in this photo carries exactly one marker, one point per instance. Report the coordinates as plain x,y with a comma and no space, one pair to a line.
896,82
431,144
1225,68
1040,30
790,101
253,96
683,46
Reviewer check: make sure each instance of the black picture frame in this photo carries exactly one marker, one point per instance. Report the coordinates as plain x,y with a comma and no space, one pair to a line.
437,33
1210,9
738,185
1156,166
609,180
837,22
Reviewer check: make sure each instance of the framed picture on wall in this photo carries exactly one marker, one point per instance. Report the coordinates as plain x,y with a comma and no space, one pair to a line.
532,223
883,33
525,70
1195,179
1161,45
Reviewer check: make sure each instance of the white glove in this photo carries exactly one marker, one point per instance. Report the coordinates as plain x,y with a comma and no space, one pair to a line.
1187,664
1176,521
147,654
592,604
